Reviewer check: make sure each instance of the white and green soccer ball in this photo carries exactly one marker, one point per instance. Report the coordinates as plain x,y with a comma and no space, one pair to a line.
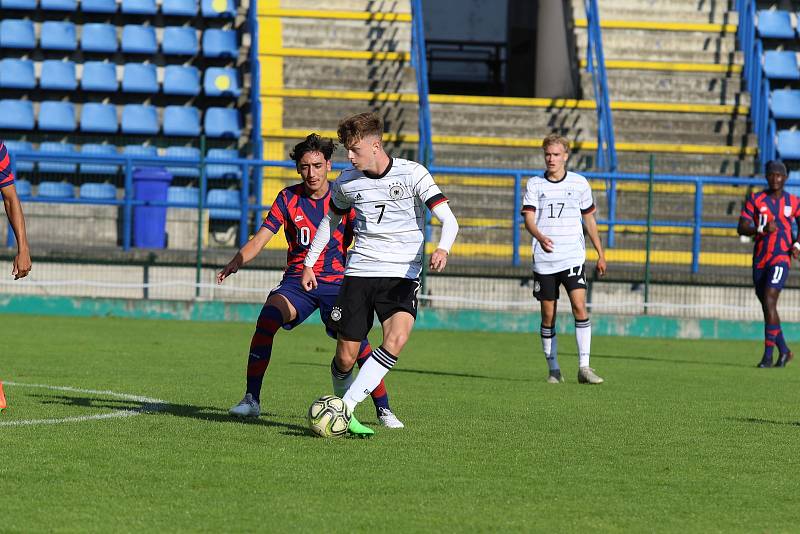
327,417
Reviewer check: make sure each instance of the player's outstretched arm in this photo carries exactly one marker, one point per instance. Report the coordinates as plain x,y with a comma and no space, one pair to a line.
530,226
250,250
594,236
13,207
443,212
321,238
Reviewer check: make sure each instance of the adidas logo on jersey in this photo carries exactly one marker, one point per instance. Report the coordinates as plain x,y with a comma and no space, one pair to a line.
359,197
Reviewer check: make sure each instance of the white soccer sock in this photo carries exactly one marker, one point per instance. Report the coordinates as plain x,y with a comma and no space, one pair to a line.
379,362
550,346
583,335
341,381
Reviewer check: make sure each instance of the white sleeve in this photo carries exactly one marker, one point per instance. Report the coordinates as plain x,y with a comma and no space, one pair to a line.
339,200
449,225
426,189
321,238
587,202
530,200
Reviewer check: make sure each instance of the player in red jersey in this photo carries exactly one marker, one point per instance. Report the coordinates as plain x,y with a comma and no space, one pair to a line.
300,209
22,261
767,215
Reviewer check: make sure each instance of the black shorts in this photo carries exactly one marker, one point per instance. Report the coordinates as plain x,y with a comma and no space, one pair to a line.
545,286
361,298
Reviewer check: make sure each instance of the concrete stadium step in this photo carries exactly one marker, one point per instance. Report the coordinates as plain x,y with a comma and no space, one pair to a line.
678,56
695,123
701,87
374,36
314,114
374,6
686,11
616,39
347,75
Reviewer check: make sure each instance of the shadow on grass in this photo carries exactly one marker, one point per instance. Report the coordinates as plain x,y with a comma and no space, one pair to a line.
760,421
202,413
433,373
656,359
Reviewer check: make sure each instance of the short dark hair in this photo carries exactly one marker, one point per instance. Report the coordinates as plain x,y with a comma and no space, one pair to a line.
313,143
353,129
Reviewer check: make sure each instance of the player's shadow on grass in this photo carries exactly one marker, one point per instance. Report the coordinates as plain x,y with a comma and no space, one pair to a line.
760,421
434,373
654,359
202,413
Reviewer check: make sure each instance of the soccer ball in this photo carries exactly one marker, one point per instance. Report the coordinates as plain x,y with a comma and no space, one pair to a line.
327,417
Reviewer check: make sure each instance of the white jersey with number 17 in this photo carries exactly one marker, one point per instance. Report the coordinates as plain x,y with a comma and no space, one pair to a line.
559,208
389,218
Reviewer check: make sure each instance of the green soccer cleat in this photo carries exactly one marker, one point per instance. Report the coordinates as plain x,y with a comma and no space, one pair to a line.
357,429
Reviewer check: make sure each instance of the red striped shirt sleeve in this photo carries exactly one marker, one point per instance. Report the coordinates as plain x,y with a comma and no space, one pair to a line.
6,176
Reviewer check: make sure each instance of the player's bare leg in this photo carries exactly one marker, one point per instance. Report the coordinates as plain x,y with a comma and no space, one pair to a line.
549,338
277,311
583,337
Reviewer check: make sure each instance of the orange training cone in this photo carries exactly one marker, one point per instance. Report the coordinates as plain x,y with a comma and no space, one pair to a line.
2,398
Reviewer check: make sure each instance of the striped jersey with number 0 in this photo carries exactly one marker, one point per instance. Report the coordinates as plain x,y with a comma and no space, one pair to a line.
559,208
389,217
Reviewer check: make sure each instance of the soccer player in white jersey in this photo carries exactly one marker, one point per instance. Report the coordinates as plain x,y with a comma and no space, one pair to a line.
383,266
556,208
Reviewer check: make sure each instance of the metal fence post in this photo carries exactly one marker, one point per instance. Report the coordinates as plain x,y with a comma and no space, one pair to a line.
650,187
698,222
200,204
515,218
127,211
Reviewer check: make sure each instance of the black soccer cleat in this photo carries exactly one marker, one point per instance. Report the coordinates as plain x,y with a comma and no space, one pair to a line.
765,362
784,359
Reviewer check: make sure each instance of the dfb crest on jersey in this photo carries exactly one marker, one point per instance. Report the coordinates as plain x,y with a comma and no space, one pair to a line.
336,313
396,191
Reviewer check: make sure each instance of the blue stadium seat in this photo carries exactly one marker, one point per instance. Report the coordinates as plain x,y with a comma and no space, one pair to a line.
59,5
58,75
99,168
789,144
139,39
139,78
140,150
217,8
16,115
99,118
92,191
57,116
18,4
17,34
774,24
221,82
20,146
181,120
220,170
220,43
98,37
181,80
189,153
222,122
139,119
99,76
17,74
56,190
182,8
227,202
179,41
183,195
785,103
99,6
781,65
139,7
53,166
57,35
24,188
793,183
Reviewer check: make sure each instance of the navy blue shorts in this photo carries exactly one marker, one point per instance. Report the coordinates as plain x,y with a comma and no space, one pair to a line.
307,302
770,276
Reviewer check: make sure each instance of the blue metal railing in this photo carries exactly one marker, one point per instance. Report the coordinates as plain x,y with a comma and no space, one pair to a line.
248,225
596,65
757,83
255,85
419,62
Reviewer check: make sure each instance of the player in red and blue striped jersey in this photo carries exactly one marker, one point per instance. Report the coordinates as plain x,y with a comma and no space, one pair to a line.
22,261
767,215
300,209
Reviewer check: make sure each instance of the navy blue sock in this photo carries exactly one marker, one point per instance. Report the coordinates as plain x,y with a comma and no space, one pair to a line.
269,321
783,348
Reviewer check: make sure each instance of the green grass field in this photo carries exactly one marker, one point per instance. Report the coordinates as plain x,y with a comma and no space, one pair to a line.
683,436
